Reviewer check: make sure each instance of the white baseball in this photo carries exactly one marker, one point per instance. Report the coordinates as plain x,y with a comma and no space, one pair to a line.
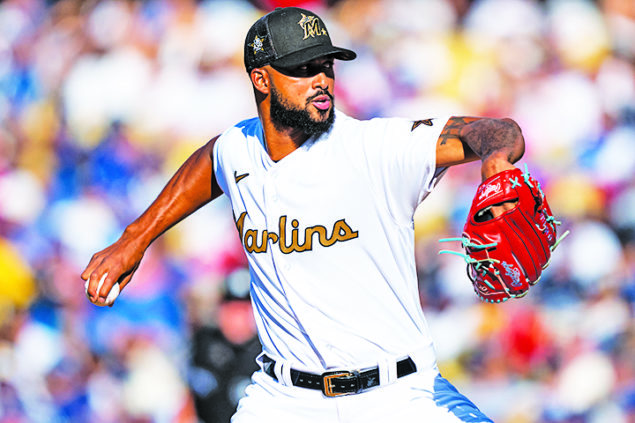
112,295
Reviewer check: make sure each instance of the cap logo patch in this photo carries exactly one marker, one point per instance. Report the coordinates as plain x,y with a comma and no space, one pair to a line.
311,26
257,44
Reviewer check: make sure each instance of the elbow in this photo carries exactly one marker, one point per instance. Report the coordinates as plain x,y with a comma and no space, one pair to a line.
517,150
521,151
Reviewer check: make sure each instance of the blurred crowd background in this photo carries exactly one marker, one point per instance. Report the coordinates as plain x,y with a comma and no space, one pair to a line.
101,101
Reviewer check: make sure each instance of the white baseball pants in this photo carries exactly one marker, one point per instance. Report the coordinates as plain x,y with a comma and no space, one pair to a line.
420,397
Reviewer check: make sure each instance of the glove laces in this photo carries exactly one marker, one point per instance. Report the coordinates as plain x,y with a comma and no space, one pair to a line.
484,265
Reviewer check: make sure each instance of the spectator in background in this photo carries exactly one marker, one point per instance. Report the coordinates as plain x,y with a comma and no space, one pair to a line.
224,346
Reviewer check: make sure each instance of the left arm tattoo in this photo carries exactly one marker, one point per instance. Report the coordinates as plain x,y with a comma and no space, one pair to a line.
452,129
488,136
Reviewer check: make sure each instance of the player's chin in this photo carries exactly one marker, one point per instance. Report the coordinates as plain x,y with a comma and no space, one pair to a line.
320,115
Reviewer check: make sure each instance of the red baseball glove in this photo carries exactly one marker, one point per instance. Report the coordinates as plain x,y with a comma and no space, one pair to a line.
506,254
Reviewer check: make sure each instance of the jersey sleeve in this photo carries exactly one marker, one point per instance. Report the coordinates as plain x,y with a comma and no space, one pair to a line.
401,157
231,150
219,168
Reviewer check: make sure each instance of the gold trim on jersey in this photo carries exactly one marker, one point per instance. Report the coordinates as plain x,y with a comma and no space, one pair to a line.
288,238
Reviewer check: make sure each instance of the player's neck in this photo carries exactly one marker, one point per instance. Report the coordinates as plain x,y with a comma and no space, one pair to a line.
281,142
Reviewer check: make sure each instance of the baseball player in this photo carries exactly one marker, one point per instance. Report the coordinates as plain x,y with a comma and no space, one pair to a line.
324,205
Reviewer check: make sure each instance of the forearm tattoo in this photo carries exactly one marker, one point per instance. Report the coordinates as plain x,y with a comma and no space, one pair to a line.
452,129
488,136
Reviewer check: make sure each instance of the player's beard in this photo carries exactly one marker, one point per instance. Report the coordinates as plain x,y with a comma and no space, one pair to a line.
283,115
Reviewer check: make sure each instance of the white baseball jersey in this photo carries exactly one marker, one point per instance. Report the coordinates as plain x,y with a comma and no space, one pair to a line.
329,235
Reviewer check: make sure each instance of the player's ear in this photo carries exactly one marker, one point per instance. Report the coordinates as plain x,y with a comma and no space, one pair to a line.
260,80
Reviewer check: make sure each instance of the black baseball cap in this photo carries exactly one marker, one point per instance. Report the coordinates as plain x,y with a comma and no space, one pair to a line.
288,37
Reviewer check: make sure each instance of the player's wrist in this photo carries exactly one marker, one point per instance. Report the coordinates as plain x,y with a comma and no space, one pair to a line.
495,163
137,235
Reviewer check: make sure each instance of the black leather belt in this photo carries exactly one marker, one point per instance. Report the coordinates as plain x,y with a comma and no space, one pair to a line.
337,383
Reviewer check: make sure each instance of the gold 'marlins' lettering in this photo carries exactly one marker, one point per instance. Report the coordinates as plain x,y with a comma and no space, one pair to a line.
288,238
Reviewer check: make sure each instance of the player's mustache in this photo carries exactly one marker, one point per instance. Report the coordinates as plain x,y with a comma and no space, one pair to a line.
319,93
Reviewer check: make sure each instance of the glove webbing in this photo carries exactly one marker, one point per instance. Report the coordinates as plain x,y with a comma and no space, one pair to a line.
550,218
478,264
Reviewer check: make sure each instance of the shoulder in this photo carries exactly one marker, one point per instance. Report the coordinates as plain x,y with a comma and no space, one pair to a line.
374,126
390,123
391,129
382,132
344,120
246,128
240,132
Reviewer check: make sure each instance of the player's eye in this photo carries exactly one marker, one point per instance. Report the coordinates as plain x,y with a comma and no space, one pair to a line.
310,69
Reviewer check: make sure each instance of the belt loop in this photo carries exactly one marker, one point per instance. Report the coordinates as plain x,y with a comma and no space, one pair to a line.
277,370
285,370
387,371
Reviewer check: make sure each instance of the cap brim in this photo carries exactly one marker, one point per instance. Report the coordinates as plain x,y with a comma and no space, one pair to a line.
303,56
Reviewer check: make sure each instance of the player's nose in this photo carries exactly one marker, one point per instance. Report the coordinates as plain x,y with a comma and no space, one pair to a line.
322,80
319,81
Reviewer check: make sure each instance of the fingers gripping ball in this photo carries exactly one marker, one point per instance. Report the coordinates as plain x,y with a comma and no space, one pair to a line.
506,254
112,295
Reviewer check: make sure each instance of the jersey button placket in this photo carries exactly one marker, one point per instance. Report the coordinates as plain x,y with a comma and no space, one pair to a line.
271,203
274,211
274,186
